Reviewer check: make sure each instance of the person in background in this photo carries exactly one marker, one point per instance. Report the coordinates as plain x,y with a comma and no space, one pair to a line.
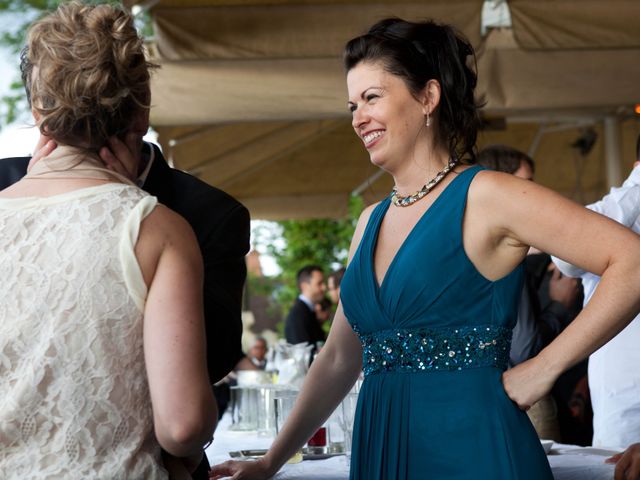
333,285
302,324
536,327
102,359
323,310
254,360
258,353
614,376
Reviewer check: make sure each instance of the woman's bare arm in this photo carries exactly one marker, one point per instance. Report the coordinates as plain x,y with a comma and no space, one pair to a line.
520,213
184,408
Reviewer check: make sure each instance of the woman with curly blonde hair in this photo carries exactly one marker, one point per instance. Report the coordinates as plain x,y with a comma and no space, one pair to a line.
102,359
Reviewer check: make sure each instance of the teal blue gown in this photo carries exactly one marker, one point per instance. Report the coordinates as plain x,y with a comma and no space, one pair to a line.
436,337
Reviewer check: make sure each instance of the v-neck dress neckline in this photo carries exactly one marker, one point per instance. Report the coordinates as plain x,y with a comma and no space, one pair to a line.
386,203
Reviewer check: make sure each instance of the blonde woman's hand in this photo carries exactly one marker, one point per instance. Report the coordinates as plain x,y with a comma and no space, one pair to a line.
528,382
247,470
43,148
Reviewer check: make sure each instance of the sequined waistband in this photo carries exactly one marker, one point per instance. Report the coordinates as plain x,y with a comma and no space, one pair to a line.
435,349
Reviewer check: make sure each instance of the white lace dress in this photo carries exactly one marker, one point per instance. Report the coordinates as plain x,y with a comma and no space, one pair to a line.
74,397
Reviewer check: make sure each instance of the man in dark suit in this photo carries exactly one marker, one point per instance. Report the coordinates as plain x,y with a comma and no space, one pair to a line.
221,225
302,325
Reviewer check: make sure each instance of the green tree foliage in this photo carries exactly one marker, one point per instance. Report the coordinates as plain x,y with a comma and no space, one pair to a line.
321,242
15,18
260,298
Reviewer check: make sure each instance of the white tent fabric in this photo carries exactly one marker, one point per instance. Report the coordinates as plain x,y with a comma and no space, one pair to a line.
251,94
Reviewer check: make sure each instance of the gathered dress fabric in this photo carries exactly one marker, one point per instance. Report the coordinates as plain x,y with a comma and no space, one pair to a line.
436,337
74,395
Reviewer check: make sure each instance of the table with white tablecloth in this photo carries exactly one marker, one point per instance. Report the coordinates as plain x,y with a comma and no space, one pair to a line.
567,462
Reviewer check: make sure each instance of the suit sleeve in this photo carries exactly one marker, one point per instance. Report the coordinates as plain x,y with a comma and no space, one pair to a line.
225,273
297,328
12,170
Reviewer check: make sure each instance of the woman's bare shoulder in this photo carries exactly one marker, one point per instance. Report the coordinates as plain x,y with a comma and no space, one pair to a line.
163,230
166,223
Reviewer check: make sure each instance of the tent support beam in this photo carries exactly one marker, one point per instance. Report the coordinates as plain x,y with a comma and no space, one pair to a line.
367,183
612,151
544,128
296,141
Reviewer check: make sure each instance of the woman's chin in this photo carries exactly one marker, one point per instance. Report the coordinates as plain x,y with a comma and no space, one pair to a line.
376,159
379,161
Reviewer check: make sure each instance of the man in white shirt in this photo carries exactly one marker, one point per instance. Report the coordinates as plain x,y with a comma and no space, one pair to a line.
614,370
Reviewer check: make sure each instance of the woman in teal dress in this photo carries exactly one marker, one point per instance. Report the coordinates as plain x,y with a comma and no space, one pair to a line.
430,296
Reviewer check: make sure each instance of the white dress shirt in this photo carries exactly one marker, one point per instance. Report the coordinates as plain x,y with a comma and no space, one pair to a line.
307,302
614,370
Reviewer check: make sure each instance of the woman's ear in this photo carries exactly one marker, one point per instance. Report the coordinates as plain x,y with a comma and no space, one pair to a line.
430,96
36,115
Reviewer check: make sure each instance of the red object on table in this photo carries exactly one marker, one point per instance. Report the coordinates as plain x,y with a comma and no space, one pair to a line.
319,438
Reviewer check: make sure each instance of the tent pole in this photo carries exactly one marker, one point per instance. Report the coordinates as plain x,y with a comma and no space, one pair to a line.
535,143
613,157
368,182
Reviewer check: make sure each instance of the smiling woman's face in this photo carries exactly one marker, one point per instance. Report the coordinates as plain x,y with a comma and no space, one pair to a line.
385,115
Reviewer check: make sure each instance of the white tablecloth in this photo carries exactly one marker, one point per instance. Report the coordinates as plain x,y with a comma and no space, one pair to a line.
567,462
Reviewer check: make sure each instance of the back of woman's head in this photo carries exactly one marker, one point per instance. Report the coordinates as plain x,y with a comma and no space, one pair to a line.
504,158
85,73
421,51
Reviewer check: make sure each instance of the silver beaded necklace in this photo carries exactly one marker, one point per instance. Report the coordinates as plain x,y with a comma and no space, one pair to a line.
405,201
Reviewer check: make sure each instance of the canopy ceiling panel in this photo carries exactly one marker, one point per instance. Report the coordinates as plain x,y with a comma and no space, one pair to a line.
290,30
321,163
577,24
333,162
516,81
292,207
188,93
255,156
205,145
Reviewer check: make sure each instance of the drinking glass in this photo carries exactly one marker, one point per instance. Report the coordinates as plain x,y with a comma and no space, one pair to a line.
336,432
266,424
244,408
283,405
348,410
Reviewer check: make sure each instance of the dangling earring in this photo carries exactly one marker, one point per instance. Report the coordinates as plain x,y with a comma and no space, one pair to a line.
428,122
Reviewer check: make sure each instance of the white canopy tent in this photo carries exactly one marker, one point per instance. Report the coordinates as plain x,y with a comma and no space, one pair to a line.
251,94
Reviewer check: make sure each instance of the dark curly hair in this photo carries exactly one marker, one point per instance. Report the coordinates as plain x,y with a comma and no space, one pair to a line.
421,51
